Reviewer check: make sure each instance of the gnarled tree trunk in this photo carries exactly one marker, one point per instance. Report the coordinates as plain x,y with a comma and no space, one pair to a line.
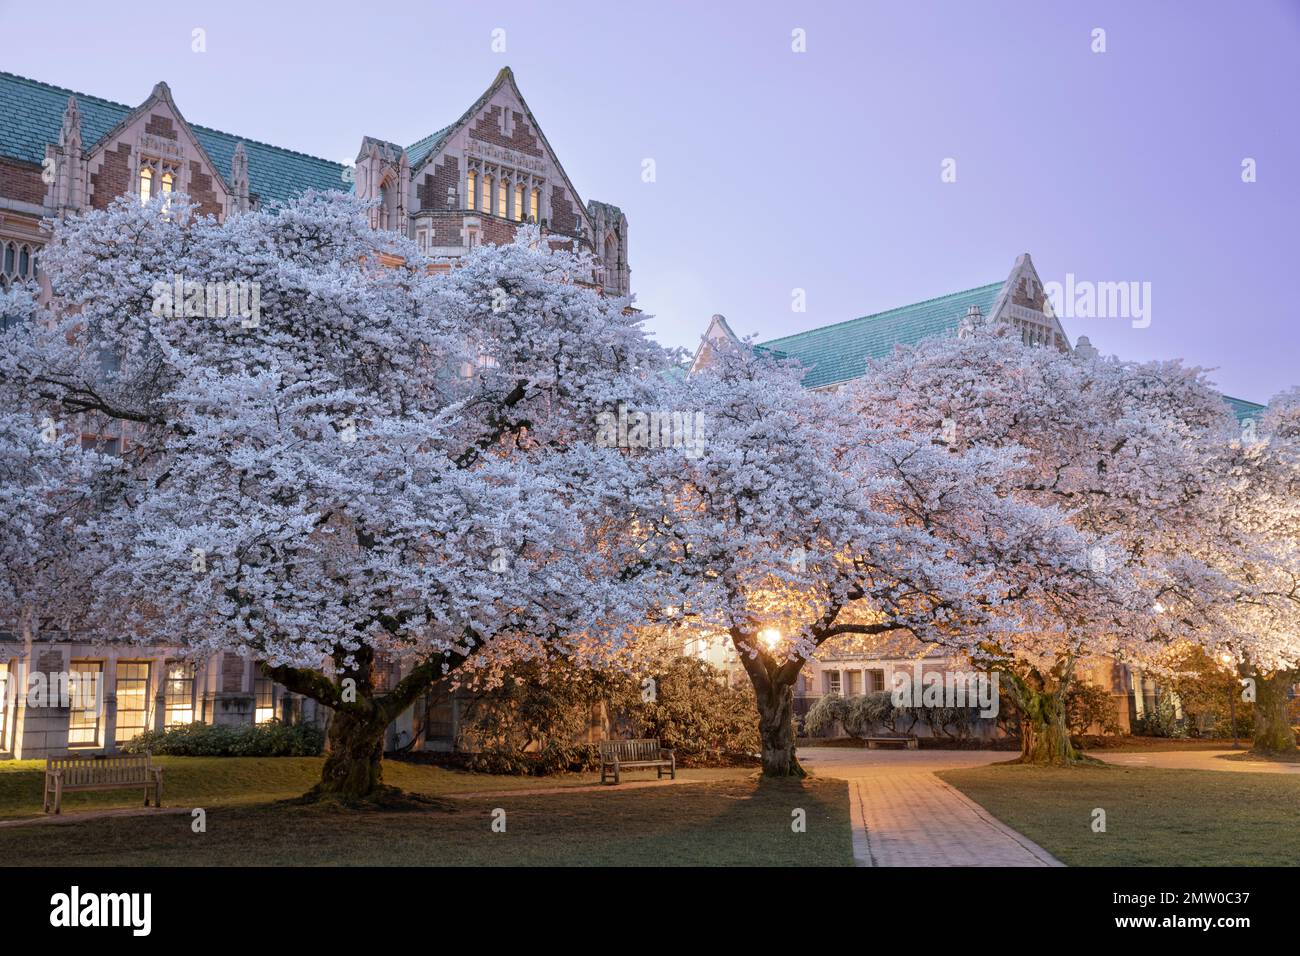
1044,729
354,753
774,691
1273,733
354,757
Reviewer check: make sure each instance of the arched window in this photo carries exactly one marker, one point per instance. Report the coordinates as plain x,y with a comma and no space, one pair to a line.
487,194
519,202
167,180
535,205
146,184
501,198
471,187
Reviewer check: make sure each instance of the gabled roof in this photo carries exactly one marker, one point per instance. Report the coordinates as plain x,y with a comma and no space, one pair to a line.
838,353
419,153
31,114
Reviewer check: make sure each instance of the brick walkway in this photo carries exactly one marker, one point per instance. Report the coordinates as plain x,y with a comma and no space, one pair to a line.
903,815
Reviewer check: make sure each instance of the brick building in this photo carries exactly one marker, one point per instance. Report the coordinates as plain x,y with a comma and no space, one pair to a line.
61,153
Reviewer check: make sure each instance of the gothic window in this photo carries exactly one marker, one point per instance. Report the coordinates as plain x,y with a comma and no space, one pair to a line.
18,262
501,199
487,194
519,202
534,206
471,186
156,178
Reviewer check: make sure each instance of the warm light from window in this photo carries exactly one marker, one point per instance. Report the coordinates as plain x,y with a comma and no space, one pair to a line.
471,187
501,200
146,184
167,180
535,204
487,194
519,202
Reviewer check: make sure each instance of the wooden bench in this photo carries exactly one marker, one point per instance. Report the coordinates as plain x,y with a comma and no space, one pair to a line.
620,755
873,743
106,772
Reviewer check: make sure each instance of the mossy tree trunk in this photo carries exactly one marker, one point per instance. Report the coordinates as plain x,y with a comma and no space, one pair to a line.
1044,724
773,682
1273,732
354,756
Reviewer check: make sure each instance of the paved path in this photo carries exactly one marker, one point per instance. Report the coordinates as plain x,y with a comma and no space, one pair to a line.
903,815
1195,760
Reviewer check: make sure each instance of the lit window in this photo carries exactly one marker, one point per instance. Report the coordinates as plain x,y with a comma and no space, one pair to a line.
487,194
132,699
178,695
534,205
470,186
83,717
264,691
501,199
146,184
519,202
167,180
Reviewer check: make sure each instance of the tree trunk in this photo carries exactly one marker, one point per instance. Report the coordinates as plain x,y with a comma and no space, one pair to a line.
1273,733
354,757
1044,734
776,731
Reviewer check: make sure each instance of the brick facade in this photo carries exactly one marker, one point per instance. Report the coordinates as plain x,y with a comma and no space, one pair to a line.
521,138
113,178
201,191
21,182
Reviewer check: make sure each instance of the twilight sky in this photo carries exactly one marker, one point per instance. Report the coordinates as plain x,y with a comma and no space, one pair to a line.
820,170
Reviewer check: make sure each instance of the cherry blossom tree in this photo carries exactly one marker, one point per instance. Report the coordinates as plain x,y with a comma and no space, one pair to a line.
801,523
334,453
1133,453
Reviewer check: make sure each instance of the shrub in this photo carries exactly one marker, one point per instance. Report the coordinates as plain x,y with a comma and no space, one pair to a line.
535,722
696,713
1087,704
272,739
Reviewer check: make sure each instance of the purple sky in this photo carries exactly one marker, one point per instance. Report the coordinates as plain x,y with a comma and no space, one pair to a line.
820,170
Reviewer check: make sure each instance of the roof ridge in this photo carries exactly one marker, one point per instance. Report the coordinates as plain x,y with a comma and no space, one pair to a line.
194,126
1248,401
897,308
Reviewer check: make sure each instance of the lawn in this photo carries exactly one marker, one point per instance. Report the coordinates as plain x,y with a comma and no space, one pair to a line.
211,781
1154,817
728,818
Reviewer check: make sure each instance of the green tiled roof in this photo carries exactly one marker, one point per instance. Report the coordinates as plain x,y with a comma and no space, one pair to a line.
31,114
839,353
1244,409
417,152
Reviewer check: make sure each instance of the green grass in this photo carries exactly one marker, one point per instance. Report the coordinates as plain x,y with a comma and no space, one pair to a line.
230,781
722,823
1154,817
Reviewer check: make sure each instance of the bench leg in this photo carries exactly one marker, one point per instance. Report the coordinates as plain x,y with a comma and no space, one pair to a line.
58,797
45,797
